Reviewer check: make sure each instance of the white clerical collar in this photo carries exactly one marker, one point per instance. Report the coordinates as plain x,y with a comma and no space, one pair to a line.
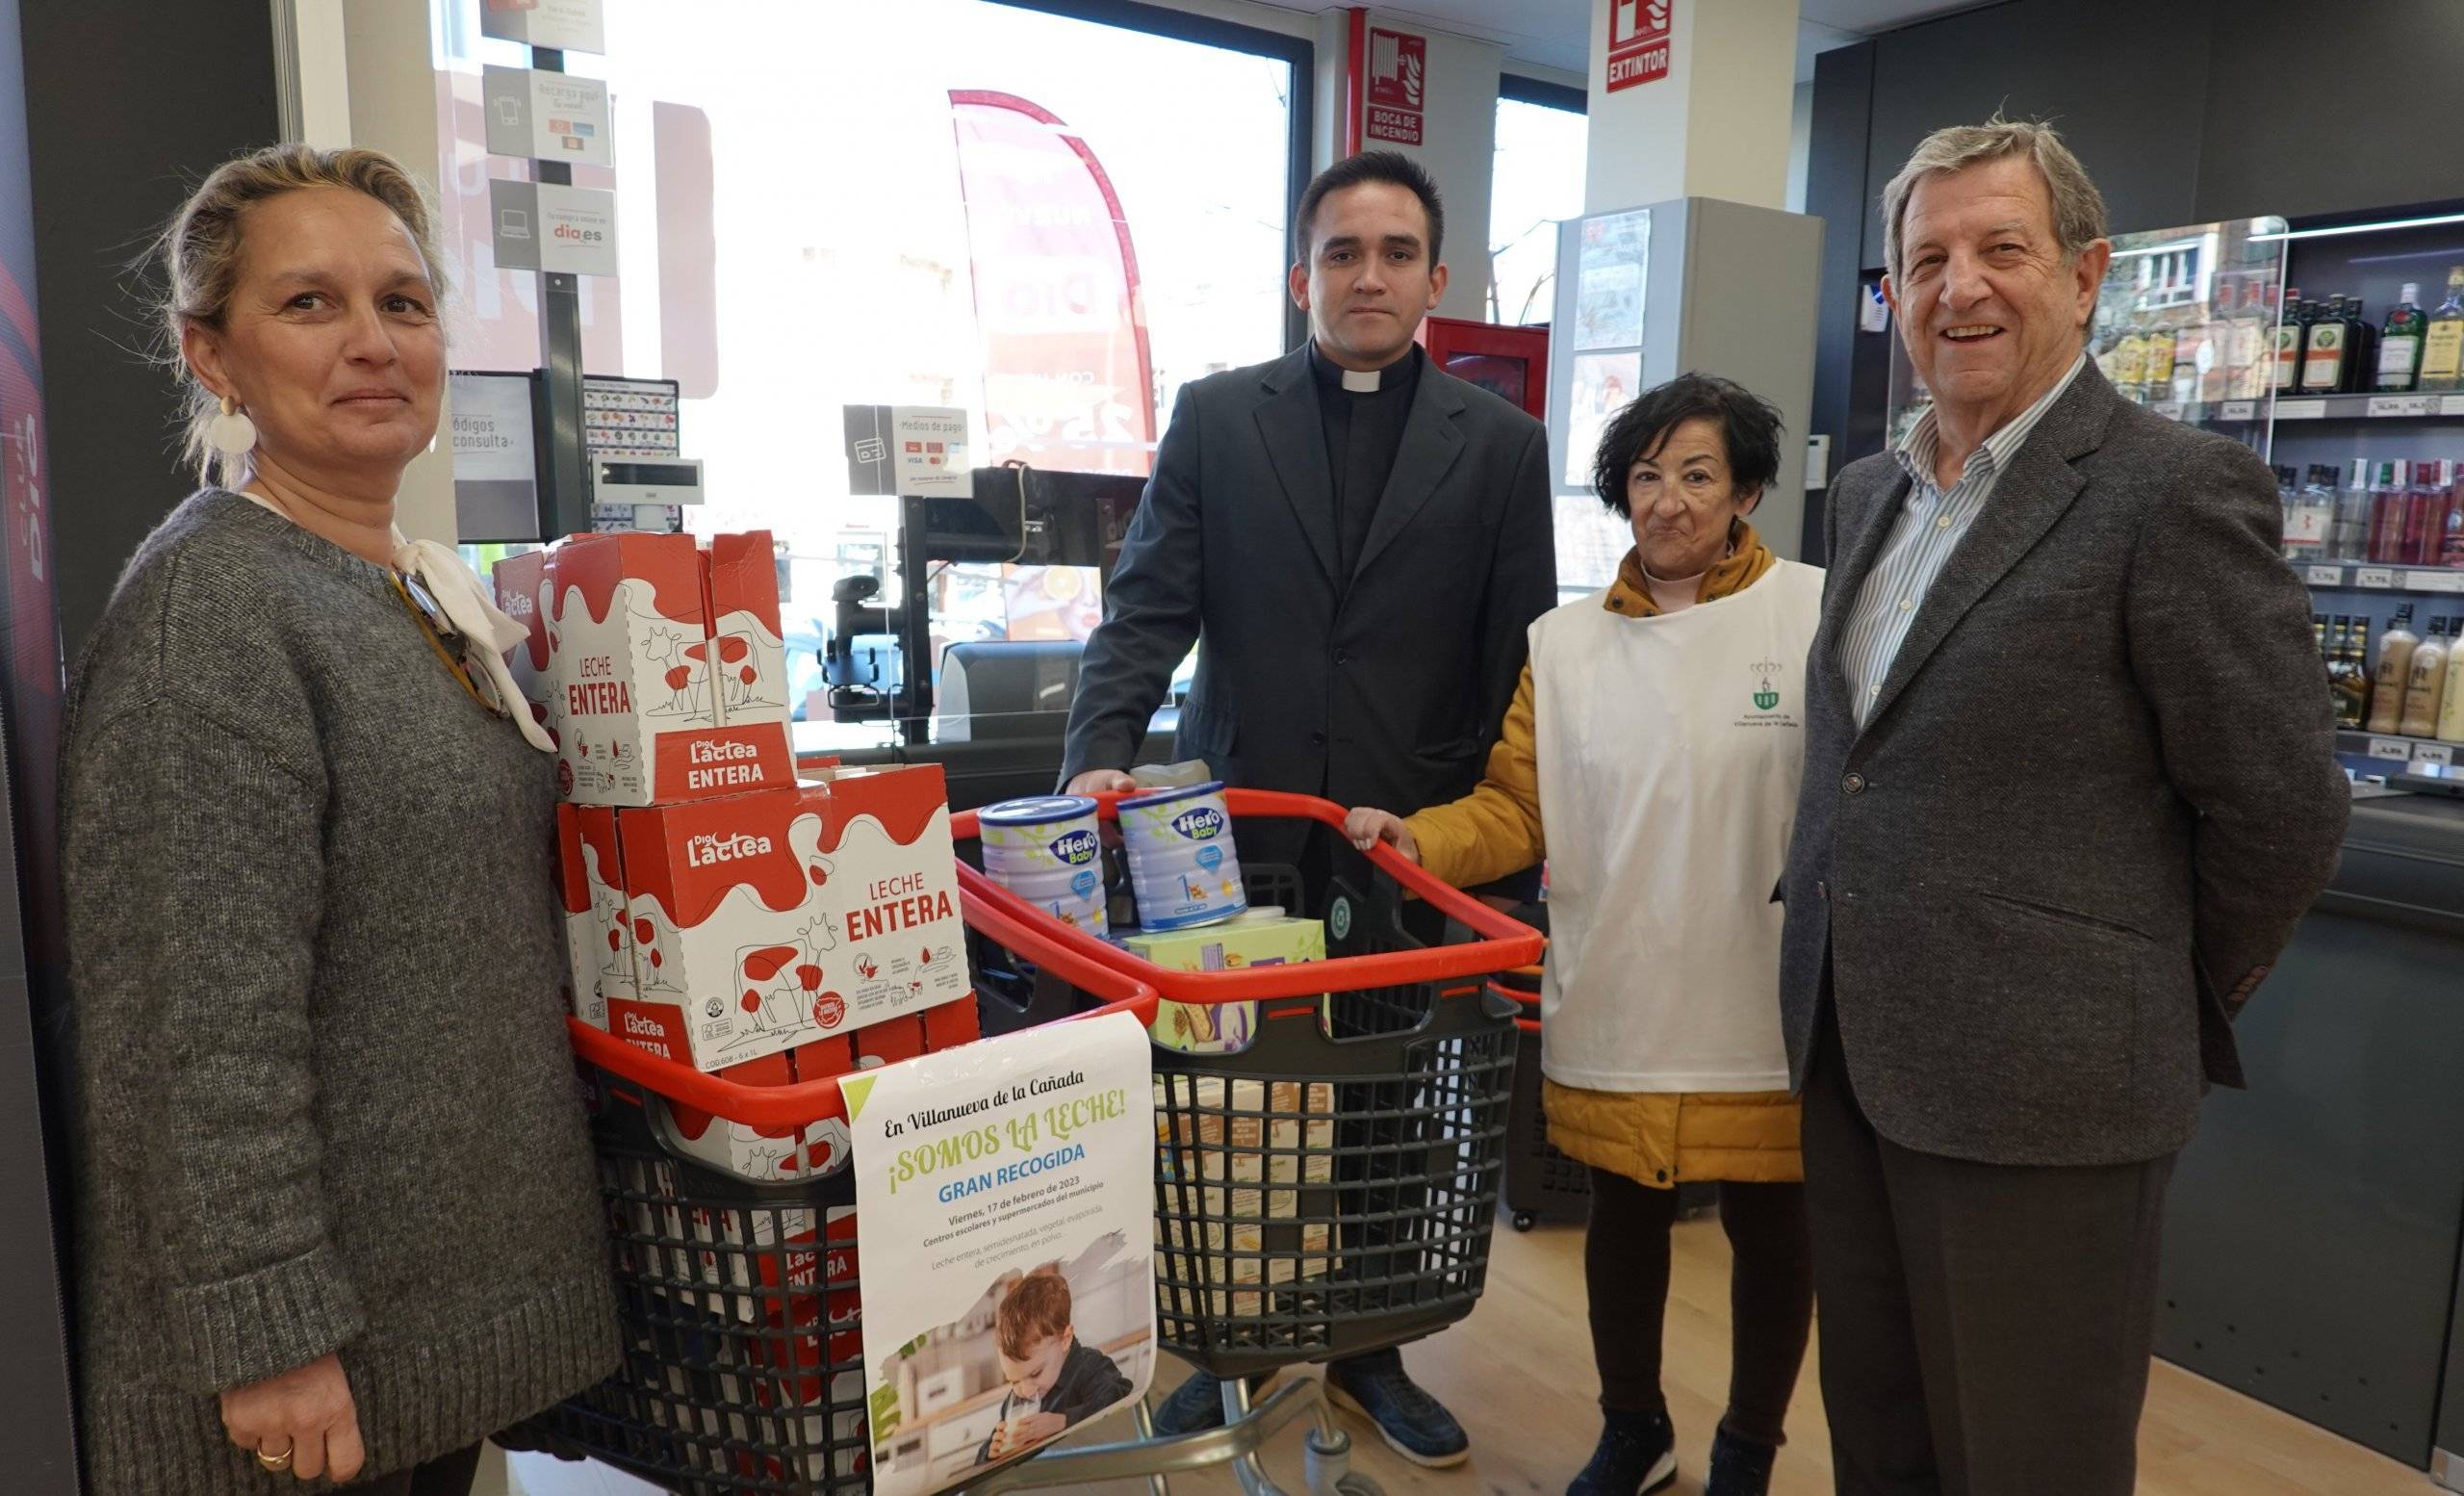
1363,381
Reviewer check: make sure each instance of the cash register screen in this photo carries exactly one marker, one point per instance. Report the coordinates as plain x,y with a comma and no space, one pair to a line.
1033,517
648,475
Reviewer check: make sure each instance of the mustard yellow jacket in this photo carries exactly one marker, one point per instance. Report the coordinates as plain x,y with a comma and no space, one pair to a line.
1657,1138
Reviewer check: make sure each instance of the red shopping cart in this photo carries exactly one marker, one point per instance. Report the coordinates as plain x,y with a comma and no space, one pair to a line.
1378,1078
1328,1187
741,1300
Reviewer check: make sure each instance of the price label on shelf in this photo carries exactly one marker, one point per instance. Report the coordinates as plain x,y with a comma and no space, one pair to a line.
2325,575
2239,410
2434,581
2375,576
2382,405
2393,749
2302,410
2434,752
2450,404
2169,409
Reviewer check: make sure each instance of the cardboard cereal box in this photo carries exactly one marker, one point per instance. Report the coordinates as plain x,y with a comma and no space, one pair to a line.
1259,937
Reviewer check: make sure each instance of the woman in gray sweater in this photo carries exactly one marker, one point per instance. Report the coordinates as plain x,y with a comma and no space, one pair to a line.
336,1210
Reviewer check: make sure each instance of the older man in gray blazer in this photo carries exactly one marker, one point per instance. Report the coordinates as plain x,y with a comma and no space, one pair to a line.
2069,781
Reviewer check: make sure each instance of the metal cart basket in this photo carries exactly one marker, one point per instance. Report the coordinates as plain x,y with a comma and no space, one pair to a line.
1329,1187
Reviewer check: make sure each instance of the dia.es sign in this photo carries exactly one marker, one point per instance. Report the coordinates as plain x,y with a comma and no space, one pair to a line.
1638,39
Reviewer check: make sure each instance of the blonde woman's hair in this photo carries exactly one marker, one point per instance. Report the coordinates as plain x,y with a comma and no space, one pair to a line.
198,256
2078,208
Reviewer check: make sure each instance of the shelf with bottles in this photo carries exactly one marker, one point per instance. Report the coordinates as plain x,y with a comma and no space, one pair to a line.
2386,524
2403,685
2186,319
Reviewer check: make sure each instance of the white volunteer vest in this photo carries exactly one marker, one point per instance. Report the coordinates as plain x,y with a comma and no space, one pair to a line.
1669,750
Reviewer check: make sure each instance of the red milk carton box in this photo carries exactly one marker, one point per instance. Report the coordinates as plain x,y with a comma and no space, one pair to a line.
887,1042
765,1153
948,1027
630,641
766,922
598,939
522,592
828,1143
748,651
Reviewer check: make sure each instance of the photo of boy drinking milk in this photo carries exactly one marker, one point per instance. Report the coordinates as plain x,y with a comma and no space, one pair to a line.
1054,1381
1038,1351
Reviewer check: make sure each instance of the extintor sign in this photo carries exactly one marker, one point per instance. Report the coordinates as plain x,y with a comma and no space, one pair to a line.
1638,40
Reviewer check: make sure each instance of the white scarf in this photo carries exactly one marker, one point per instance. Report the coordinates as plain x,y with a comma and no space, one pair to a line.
489,633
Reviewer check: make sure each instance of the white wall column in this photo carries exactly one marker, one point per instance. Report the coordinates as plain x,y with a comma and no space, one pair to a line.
1715,126
366,77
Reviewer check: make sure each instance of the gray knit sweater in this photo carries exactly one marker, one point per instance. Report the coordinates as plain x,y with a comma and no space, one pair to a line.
324,1097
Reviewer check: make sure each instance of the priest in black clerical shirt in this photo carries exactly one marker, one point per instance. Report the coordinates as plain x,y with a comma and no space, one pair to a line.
1357,542
1364,411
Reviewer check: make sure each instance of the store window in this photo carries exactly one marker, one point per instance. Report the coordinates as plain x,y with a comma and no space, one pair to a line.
1050,222
1536,180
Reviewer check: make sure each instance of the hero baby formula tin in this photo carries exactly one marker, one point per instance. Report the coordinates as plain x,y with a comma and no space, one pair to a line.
1048,851
1182,865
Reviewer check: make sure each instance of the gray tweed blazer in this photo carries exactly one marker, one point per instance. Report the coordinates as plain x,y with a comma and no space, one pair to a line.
2096,793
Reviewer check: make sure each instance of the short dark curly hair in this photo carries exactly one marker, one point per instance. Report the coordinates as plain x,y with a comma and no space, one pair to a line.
1749,426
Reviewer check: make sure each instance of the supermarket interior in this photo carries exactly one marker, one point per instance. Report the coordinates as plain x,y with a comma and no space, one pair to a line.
655,650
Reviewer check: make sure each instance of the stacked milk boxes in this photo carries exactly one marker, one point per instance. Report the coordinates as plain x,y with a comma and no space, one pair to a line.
1254,1164
719,911
724,913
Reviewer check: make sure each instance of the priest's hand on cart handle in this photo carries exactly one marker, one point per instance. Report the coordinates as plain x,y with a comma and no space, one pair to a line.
1367,828
1102,782
303,1422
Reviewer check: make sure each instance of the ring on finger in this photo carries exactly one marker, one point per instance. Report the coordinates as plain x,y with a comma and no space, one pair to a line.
281,1461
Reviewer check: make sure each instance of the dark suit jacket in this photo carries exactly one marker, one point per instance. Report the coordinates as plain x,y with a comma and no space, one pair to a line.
1090,1382
2098,788
1386,693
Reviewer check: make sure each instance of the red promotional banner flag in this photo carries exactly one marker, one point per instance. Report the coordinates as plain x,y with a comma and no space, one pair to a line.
1068,380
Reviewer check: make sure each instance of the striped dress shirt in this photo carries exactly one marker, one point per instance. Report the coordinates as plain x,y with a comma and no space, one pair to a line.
1929,529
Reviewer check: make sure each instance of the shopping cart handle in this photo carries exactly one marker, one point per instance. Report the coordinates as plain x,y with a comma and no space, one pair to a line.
1504,940
811,1101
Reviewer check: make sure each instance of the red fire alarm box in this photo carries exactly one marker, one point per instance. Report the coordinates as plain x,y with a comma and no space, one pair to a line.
1511,362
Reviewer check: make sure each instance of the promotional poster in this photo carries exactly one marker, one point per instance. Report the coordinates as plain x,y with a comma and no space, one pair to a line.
1018,1182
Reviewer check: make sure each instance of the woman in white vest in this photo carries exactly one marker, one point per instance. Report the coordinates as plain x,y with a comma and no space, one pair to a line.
1651,756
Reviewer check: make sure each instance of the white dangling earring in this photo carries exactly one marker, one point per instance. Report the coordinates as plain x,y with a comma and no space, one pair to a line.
232,433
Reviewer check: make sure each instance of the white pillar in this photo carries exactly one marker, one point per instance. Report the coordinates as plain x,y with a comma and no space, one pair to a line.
1716,125
364,77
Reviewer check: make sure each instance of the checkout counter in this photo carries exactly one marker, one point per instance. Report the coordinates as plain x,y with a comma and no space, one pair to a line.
993,714
2316,1225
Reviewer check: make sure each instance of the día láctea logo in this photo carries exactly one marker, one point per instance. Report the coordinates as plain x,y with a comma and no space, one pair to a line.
1766,695
703,851
1201,824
